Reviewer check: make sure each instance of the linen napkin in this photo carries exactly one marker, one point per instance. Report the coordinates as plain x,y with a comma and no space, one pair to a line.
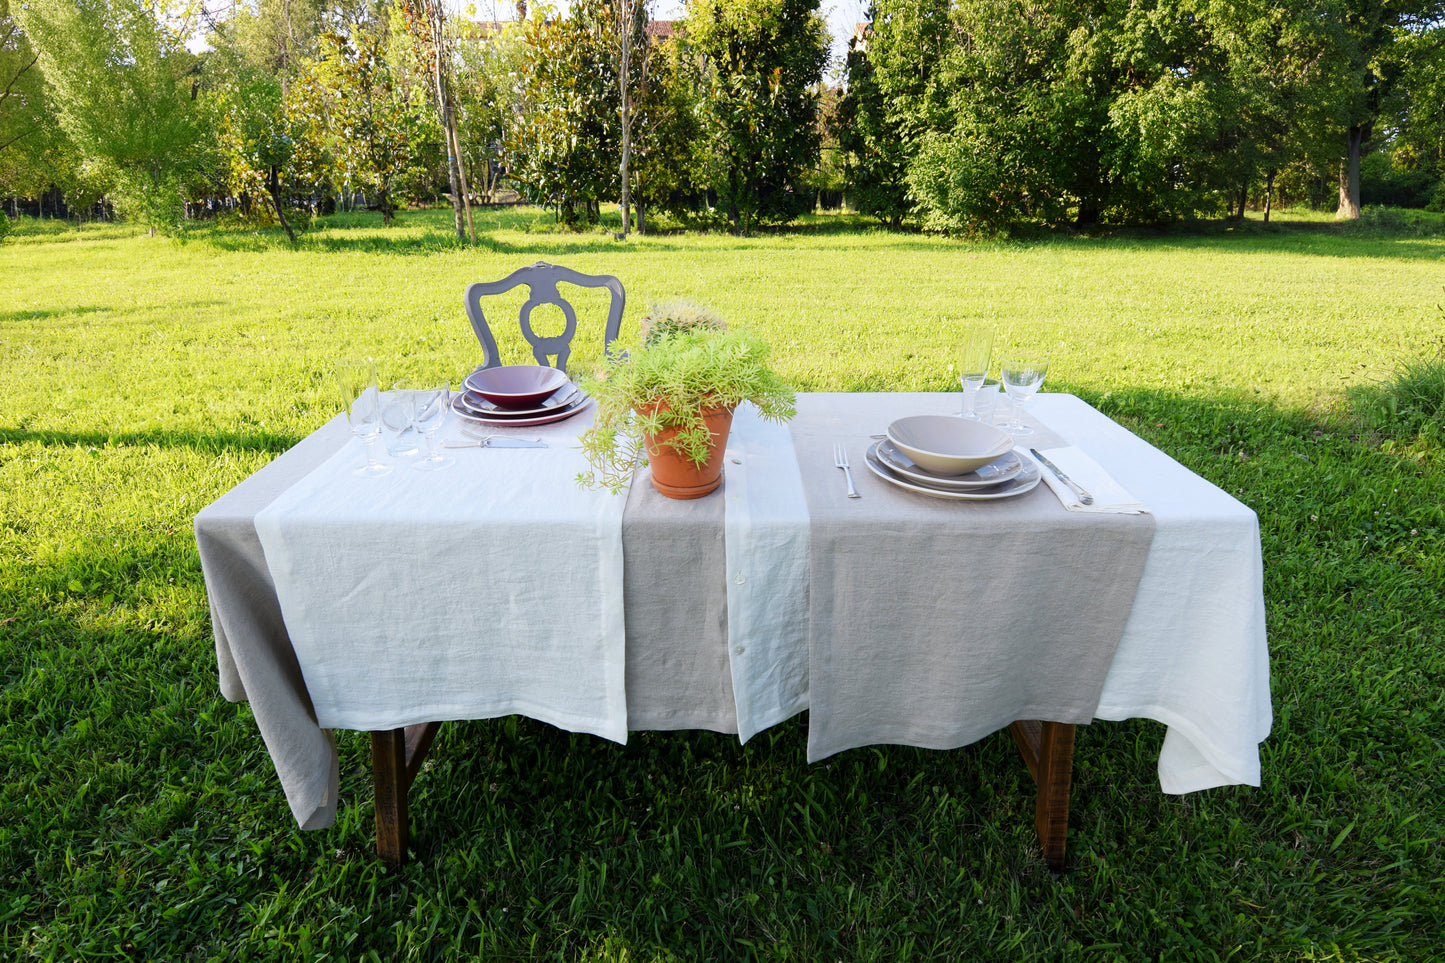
1110,498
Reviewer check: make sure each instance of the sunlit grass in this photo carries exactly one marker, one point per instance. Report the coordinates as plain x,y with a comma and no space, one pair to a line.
140,378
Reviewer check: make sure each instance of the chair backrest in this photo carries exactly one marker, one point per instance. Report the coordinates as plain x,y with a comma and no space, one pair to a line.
541,280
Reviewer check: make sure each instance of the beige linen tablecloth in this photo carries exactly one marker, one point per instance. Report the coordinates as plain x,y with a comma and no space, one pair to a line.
936,622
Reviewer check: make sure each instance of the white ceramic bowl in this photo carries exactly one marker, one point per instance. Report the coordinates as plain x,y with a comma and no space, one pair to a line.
516,385
948,444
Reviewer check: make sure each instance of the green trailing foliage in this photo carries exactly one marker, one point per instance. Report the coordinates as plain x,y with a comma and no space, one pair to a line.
684,364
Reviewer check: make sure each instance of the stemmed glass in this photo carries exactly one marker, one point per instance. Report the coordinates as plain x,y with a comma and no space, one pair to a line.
1021,379
973,358
361,399
431,406
398,412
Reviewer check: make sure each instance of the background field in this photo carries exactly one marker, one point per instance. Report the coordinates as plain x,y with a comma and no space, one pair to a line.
140,378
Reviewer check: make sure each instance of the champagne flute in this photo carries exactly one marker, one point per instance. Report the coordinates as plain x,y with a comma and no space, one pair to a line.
361,399
431,406
973,358
1021,378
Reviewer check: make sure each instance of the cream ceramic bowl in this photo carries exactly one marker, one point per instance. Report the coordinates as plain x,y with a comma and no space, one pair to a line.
515,385
947,444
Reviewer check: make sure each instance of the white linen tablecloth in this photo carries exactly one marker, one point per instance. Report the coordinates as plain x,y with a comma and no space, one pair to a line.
1194,653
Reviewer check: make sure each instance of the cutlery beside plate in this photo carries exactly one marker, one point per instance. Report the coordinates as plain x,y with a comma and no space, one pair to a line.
496,441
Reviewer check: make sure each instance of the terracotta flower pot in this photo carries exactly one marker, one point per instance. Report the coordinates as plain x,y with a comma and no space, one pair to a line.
677,477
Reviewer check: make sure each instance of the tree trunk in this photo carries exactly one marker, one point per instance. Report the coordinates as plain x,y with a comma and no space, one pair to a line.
455,175
1268,193
1349,208
273,184
624,41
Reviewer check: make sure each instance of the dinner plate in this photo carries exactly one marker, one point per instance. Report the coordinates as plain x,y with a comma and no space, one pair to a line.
560,398
1000,470
1026,480
566,411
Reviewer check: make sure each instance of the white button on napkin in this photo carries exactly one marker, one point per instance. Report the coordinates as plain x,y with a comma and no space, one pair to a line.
1109,496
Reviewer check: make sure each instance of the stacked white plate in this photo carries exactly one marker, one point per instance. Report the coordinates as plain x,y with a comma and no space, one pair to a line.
565,402
1006,476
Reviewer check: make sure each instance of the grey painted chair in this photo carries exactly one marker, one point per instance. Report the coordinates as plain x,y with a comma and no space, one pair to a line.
541,280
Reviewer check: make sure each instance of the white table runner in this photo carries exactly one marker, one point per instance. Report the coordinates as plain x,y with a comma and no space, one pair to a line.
767,574
456,594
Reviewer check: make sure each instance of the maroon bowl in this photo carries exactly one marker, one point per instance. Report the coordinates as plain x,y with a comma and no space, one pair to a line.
516,385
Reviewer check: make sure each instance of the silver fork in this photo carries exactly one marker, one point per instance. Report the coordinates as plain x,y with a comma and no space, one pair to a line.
840,460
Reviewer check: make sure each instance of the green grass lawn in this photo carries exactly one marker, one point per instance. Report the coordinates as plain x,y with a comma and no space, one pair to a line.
140,378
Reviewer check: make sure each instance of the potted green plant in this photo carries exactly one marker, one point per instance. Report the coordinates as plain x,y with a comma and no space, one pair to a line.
668,401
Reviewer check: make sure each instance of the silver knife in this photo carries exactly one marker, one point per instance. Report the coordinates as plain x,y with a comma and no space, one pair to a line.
1084,497
495,441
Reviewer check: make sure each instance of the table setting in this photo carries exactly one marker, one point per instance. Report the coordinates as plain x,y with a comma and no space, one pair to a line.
1052,566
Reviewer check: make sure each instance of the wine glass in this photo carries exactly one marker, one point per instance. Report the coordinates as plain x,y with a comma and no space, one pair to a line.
430,412
398,412
1021,379
361,399
973,357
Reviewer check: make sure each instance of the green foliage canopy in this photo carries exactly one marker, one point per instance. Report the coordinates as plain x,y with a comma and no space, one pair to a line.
123,85
980,115
758,65
563,149
356,121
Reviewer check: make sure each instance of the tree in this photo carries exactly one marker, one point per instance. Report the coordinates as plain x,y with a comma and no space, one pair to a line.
1415,110
255,138
633,53
668,136
273,35
426,27
349,109
1284,95
1368,30
124,88
489,100
758,65
1025,131
21,93
34,153
569,131
897,94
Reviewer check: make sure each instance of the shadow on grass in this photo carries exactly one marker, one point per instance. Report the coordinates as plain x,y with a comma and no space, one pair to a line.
13,316
209,442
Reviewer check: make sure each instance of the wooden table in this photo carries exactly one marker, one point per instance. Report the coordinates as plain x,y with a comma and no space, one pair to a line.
1047,749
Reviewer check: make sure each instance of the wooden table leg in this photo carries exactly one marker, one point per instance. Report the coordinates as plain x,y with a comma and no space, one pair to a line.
1048,749
396,757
